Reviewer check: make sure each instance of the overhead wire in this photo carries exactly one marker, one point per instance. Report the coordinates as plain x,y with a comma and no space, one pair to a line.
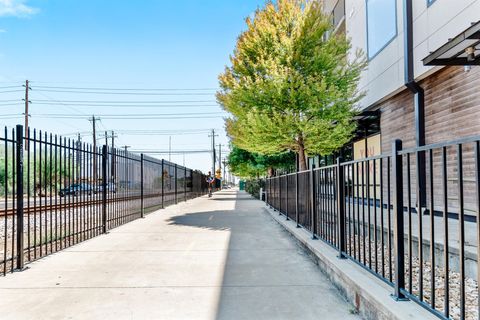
124,89
71,108
134,118
11,104
126,101
152,151
128,93
149,131
10,87
134,105
10,91
133,114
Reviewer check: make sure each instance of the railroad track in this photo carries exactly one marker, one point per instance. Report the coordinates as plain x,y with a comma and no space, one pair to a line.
74,204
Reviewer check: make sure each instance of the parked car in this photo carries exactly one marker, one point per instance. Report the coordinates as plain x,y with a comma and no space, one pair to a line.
76,189
110,188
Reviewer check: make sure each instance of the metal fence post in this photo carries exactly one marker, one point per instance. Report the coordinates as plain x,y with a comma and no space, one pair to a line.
399,244
185,183
104,187
276,193
296,199
312,203
280,195
286,197
19,195
341,208
267,190
163,184
270,192
176,180
142,209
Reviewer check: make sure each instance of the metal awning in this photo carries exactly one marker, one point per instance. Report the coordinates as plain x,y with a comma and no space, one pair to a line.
368,123
463,50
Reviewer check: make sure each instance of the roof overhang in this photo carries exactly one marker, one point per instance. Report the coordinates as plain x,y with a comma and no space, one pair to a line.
463,50
367,115
368,123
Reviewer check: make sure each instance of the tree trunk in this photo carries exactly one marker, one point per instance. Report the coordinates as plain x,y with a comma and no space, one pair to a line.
270,171
302,159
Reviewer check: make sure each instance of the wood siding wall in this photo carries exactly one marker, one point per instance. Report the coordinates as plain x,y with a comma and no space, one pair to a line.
452,111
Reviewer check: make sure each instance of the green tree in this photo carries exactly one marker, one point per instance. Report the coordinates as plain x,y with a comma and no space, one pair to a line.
290,86
250,165
51,172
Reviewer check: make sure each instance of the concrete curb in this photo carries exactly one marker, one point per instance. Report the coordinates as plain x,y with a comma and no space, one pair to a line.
370,296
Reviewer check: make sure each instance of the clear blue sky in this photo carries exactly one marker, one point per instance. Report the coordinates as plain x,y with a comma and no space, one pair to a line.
120,44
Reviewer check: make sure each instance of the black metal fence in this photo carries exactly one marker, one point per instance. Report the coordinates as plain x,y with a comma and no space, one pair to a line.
56,192
368,210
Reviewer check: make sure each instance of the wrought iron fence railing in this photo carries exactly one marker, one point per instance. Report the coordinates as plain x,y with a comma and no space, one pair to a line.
57,192
368,210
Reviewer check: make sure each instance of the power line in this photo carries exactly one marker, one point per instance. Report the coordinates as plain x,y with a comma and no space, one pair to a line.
134,118
11,104
126,116
135,114
76,110
131,106
165,131
10,87
123,101
173,152
11,117
126,93
124,89
147,132
164,134
9,91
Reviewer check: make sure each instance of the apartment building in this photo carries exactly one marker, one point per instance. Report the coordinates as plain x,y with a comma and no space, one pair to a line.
451,106
422,82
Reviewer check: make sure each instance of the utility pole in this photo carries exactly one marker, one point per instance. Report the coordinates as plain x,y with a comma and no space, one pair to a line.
113,157
224,170
213,135
220,156
169,148
79,146
126,167
27,88
93,119
220,162
113,139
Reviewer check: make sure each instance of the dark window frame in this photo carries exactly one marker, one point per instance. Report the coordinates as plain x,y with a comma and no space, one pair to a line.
389,41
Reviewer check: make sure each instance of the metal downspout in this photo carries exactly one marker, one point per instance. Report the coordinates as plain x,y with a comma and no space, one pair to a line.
419,98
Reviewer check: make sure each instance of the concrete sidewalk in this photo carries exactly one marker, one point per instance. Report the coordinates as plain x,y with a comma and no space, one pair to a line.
217,258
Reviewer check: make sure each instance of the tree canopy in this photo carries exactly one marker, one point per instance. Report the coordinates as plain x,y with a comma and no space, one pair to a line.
291,85
245,164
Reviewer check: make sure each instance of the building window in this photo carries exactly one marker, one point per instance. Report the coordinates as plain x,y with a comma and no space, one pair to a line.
381,25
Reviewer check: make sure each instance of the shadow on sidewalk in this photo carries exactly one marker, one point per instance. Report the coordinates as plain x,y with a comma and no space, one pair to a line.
241,230
265,274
